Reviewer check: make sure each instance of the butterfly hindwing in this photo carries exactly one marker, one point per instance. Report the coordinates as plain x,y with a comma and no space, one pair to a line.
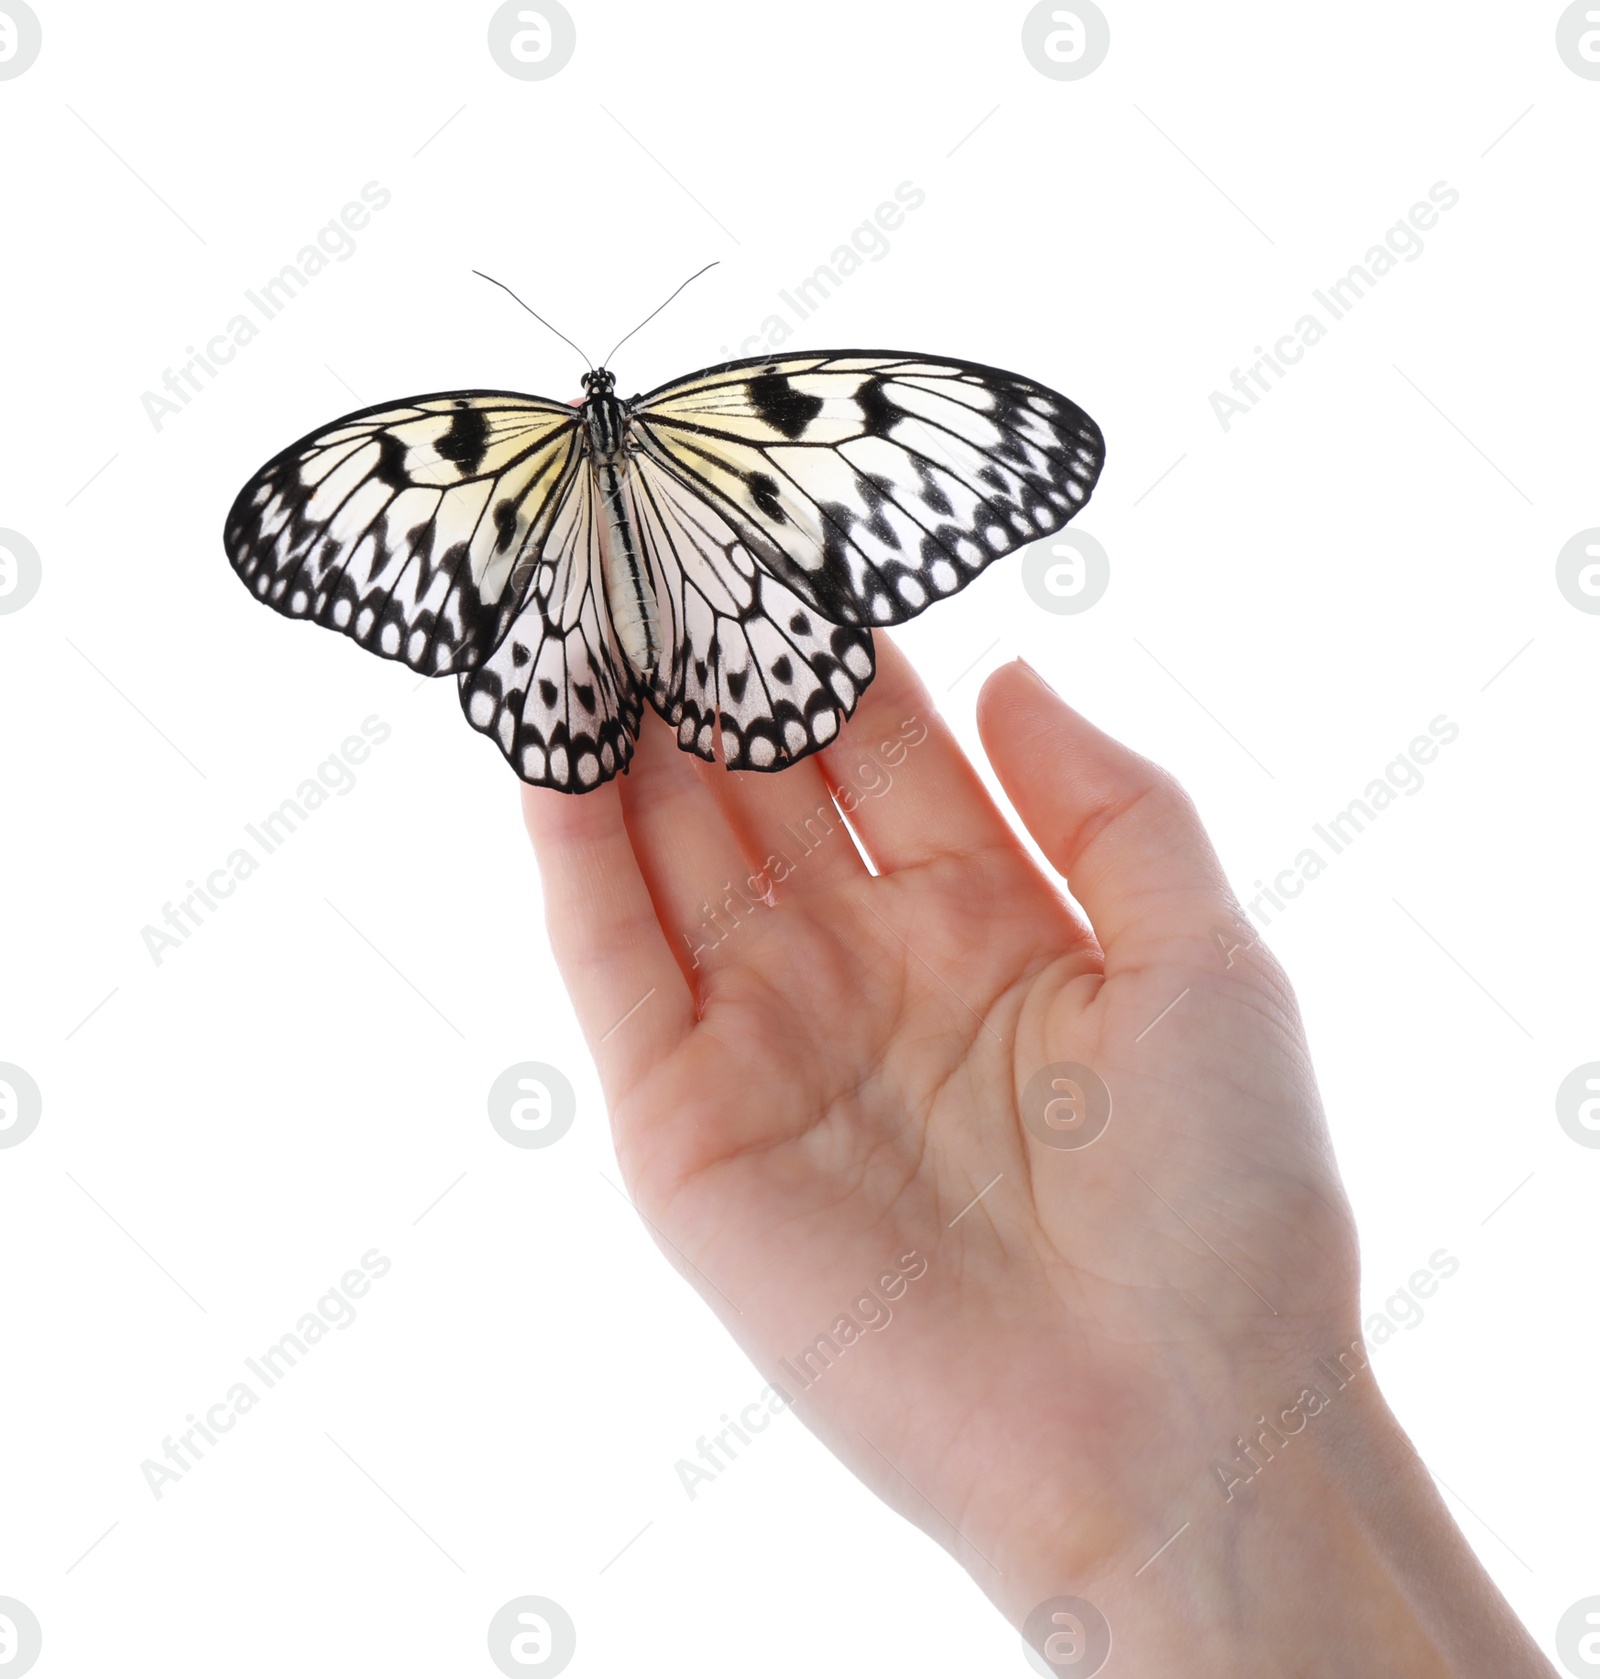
753,675
556,694
408,526
874,483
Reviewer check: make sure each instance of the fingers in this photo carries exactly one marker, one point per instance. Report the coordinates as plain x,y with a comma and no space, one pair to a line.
902,778
788,826
692,862
1119,828
626,985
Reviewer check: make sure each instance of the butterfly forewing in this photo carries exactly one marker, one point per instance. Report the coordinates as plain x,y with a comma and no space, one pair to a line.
875,484
404,526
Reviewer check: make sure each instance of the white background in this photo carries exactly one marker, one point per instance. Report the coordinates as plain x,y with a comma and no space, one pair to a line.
225,1133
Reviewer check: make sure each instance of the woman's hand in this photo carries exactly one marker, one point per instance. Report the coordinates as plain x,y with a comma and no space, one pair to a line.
865,1111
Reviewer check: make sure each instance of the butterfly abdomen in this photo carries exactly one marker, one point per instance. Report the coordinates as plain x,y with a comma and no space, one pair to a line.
634,613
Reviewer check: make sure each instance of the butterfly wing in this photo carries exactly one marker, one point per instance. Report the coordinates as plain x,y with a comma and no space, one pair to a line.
784,506
556,693
752,675
872,483
410,526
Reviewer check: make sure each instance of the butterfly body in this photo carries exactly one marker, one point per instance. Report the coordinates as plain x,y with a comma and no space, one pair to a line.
719,548
634,611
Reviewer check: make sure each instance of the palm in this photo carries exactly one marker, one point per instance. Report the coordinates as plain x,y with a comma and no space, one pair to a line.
842,1081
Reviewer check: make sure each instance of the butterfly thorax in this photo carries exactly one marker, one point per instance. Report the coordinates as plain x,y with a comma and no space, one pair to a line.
604,417
634,611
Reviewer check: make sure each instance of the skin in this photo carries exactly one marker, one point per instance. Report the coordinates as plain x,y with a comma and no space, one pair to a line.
836,1078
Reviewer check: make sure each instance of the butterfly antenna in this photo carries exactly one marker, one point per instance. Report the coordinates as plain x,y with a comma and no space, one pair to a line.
535,313
654,312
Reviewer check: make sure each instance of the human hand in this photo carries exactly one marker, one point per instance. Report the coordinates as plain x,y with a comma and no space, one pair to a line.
824,1078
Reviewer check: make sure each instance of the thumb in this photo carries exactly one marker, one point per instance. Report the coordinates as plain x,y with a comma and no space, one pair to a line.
1120,829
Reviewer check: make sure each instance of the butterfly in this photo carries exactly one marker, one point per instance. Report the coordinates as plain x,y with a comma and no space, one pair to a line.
721,547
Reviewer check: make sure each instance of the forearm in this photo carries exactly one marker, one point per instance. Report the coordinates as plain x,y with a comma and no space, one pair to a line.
1336,1557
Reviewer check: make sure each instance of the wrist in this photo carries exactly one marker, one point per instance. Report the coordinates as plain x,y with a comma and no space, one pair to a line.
1292,1533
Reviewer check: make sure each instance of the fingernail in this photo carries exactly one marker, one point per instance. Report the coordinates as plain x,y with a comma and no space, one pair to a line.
1036,676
